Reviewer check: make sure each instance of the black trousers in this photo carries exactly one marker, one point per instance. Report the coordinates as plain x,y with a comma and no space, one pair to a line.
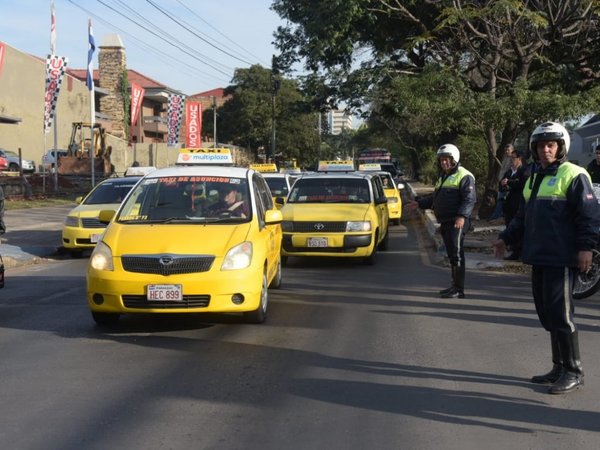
552,288
454,239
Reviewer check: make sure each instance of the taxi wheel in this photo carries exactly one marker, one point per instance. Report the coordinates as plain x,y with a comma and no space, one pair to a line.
385,242
105,318
276,281
396,222
372,258
76,254
284,260
260,314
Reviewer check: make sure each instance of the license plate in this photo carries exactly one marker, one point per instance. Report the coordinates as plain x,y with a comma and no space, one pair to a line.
316,242
164,292
95,238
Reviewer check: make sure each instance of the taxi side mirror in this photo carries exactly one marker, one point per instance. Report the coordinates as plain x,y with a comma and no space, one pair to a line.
380,200
78,199
273,217
280,200
106,215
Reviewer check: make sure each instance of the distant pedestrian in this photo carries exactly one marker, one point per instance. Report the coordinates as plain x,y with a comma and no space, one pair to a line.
452,201
2,226
506,161
511,185
593,167
558,222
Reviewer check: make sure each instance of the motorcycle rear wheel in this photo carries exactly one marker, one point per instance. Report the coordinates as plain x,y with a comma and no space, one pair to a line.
587,284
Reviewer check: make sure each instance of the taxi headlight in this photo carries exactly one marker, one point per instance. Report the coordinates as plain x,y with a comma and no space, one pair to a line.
239,257
358,226
287,225
72,221
101,258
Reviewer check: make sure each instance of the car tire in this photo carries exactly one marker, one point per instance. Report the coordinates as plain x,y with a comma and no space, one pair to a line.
396,222
13,167
260,314
385,242
276,281
76,254
105,318
371,260
284,260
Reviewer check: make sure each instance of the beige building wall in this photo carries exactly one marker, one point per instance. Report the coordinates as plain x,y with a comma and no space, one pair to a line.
22,88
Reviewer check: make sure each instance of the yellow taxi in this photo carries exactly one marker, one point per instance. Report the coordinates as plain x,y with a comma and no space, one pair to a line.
279,183
82,228
202,236
336,212
392,191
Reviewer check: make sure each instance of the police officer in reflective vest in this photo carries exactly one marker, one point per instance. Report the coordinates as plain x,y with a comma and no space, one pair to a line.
558,219
452,201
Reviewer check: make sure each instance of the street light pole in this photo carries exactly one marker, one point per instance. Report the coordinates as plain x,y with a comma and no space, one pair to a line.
214,99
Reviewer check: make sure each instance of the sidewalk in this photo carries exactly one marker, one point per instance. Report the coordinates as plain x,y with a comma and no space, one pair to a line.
33,235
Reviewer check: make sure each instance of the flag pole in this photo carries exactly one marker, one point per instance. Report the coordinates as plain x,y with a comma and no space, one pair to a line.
90,83
55,121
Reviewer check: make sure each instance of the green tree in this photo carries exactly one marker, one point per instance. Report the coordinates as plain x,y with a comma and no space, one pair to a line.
246,119
506,64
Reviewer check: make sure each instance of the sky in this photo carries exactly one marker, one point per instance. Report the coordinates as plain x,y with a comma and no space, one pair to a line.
188,45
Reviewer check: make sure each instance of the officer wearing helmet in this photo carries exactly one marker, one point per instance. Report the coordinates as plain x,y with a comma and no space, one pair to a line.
558,222
452,201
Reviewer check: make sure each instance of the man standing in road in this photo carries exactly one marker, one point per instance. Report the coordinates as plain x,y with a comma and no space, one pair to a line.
452,201
512,184
558,222
2,226
594,166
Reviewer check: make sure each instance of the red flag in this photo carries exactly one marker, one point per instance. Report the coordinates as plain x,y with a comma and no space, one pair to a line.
137,96
2,50
193,116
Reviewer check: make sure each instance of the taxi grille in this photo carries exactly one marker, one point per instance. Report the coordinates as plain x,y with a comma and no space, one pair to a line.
167,264
92,222
189,301
319,227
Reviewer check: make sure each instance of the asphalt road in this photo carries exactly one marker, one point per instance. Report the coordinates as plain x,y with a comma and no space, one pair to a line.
351,357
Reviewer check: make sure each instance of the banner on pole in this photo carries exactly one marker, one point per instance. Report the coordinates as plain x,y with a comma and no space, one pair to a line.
174,116
137,96
193,116
55,69
2,51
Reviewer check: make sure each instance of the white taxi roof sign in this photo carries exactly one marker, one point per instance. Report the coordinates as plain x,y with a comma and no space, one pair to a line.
139,171
336,166
264,168
369,166
205,156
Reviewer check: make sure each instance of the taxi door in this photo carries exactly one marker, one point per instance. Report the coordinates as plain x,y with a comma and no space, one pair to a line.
270,234
380,205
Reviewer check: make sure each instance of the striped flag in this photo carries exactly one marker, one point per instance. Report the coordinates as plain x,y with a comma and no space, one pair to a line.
91,49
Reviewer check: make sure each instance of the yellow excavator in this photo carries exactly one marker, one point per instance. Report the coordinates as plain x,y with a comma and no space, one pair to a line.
85,139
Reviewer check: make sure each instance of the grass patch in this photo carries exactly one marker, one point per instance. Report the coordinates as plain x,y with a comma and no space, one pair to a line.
37,202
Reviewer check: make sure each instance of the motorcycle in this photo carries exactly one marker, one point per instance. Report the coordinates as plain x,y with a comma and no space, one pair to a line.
587,284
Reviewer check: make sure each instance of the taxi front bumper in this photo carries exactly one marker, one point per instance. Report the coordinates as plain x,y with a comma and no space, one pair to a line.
355,245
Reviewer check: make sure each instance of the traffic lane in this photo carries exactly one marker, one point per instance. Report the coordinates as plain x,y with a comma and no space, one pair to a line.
31,227
350,356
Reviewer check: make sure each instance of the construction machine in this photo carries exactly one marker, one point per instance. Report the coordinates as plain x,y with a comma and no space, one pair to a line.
86,141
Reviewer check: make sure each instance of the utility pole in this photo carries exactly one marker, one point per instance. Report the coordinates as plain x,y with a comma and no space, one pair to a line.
214,99
275,85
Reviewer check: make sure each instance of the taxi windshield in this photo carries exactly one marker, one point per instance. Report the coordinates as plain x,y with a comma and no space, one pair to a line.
110,192
278,186
188,199
330,190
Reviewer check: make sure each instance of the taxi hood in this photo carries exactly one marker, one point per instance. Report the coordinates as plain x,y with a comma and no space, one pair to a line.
211,239
93,210
325,211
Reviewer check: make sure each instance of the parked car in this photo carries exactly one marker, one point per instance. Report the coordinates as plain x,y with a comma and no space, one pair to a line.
3,163
49,158
13,161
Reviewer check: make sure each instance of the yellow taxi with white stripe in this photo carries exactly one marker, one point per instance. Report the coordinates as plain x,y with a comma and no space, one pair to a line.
392,192
279,183
194,238
336,212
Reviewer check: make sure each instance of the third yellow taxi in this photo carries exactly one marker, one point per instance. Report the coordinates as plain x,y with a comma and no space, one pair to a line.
279,183
198,237
336,211
391,189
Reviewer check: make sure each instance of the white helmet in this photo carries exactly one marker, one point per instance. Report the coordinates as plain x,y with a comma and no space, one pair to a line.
550,131
449,150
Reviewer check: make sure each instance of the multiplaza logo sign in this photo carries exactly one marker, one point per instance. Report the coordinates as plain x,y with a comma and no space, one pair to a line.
194,125
204,156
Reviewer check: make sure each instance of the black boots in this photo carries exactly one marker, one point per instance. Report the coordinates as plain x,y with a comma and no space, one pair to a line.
458,284
557,367
566,374
572,375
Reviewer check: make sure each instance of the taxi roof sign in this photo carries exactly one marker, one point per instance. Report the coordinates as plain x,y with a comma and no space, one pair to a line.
139,171
264,168
336,166
204,156
369,166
